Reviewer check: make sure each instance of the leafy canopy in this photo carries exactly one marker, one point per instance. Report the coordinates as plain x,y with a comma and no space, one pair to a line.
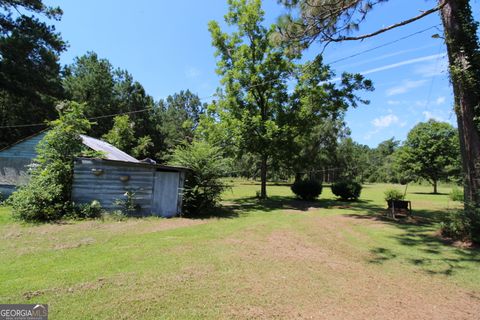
431,151
46,197
206,165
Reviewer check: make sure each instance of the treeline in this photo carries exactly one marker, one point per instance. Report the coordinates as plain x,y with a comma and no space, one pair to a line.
431,153
274,118
33,83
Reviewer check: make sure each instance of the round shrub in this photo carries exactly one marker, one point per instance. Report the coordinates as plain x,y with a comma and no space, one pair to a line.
307,189
347,190
393,194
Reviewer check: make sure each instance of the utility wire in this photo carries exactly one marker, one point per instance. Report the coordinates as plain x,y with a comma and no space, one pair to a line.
384,45
249,87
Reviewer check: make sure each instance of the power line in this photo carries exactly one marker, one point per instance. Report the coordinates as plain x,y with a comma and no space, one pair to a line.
249,87
383,45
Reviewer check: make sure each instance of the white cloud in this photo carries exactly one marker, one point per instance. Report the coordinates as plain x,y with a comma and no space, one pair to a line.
421,103
388,55
393,102
440,100
402,63
434,68
429,115
192,72
405,87
385,121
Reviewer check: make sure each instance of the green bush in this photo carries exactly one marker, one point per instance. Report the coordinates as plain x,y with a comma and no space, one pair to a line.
117,215
91,210
307,189
46,197
203,187
462,224
347,190
456,194
128,205
393,194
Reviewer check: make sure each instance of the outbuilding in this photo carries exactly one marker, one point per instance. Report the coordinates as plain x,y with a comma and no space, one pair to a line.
156,189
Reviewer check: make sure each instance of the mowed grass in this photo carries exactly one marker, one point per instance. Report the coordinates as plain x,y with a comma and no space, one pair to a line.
249,259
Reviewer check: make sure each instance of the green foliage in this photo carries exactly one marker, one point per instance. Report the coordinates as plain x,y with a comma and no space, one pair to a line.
248,61
144,144
105,90
122,134
456,194
431,152
117,215
181,114
46,197
382,166
463,224
91,210
347,190
206,165
29,66
280,129
128,205
393,194
307,189
352,159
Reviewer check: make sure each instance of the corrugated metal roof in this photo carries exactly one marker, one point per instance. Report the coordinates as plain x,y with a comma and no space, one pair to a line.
110,152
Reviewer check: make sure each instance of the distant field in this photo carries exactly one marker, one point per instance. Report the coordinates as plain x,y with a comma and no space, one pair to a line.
250,259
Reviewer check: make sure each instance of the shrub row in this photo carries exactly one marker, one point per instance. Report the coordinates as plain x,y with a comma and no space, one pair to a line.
311,189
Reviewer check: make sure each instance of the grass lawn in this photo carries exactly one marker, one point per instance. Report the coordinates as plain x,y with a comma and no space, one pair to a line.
250,259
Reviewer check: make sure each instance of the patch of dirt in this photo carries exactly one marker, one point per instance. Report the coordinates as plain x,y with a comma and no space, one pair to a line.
316,274
12,235
82,242
146,225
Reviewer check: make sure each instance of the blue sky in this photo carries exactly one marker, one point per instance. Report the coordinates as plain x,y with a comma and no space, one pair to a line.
167,48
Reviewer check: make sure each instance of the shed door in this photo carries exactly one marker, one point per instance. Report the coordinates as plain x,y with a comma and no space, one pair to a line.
165,196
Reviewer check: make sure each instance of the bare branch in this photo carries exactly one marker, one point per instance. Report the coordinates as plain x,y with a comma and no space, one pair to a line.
393,26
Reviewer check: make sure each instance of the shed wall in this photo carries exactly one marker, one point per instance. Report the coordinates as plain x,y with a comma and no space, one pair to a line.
166,193
107,187
14,160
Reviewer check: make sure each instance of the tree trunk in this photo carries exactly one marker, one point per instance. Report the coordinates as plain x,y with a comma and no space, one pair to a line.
298,176
462,46
263,174
435,190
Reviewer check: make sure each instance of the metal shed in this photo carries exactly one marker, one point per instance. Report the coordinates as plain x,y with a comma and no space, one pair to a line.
157,188
14,162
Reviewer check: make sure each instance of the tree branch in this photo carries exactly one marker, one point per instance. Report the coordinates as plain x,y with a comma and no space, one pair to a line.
393,26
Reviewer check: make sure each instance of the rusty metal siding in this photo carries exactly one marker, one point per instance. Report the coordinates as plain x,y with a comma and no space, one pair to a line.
107,187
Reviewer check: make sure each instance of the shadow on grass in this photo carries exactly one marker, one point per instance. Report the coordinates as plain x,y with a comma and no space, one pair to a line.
222,212
427,251
273,203
431,193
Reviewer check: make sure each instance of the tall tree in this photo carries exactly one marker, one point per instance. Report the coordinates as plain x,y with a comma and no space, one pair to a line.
334,20
107,91
90,80
430,151
316,116
181,116
254,75
29,66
